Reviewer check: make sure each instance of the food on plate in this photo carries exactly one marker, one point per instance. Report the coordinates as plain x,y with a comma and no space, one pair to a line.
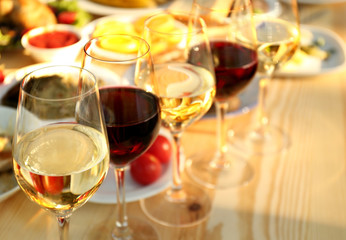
53,39
31,13
114,27
68,12
146,169
10,98
309,54
17,17
119,26
162,149
132,3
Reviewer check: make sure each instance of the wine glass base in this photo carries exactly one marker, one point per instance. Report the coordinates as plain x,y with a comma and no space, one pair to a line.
139,229
261,141
184,208
236,172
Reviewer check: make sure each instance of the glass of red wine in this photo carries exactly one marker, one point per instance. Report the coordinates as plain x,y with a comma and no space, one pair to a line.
233,45
132,117
185,83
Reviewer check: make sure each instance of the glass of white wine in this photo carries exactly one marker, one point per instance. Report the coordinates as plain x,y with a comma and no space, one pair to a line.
185,84
60,148
278,35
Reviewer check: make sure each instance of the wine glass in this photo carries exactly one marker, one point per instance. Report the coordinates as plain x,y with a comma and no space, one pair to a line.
132,117
60,149
185,83
277,28
233,43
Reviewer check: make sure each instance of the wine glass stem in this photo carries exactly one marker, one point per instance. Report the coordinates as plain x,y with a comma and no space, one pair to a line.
121,231
262,117
219,161
178,165
64,226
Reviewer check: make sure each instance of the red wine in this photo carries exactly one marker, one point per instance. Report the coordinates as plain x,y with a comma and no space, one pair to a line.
133,121
235,66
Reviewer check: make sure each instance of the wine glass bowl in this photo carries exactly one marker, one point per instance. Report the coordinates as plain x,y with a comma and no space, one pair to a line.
185,84
60,150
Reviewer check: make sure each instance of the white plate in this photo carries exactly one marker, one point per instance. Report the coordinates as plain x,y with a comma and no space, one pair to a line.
102,10
8,183
313,66
106,194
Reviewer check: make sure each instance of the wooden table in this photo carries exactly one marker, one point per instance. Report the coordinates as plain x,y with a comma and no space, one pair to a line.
298,194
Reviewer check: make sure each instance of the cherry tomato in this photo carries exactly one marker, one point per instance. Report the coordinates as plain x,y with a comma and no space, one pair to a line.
146,169
67,17
162,149
53,185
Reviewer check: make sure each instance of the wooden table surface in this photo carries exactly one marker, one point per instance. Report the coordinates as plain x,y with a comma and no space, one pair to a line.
297,194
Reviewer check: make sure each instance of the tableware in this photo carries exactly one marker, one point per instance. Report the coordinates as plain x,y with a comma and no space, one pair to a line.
185,83
132,117
61,49
60,151
278,39
233,44
310,65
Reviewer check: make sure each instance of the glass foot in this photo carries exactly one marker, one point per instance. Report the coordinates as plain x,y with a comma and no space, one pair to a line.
262,141
138,229
208,171
182,208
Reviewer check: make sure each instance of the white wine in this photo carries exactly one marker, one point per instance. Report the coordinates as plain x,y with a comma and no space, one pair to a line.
60,166
278,40
186,93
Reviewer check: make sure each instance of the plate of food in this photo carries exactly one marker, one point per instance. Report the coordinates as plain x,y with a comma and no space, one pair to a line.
321,51
9,90
8,183
135,187
17,17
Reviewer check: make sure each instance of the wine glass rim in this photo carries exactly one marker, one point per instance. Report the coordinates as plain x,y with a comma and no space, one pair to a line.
176,13
130,59
78,96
